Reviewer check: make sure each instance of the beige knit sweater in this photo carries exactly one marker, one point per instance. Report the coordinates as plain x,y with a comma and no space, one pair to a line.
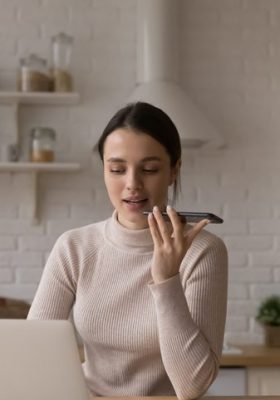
140,338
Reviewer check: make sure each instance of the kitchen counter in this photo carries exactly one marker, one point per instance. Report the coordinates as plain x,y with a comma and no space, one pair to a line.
252,374
252,356
204,398
256,369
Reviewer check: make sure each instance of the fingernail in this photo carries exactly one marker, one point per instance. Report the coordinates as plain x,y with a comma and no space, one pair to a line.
155,208
168,208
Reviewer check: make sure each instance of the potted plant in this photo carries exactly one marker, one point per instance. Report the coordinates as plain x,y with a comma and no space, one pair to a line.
269,316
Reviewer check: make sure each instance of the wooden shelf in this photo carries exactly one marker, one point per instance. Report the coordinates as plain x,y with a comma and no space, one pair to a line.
38,167
15,100
37,98
253,355
34,169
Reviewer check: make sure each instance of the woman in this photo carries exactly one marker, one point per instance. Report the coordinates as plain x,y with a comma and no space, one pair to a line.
149,296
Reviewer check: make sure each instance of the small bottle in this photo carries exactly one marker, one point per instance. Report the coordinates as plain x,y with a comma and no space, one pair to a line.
61,56
42,143
33,75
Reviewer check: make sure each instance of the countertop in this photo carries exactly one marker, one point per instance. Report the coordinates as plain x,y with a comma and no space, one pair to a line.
204,398
252,356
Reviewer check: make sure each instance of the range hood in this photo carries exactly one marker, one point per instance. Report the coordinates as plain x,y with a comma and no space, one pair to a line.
158,70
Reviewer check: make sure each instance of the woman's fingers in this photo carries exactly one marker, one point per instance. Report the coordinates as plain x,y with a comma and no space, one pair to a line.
161,233
162,226
169,247
176,221
191,234
154,230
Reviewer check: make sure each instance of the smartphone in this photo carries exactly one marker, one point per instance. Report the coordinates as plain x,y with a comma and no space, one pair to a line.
192,217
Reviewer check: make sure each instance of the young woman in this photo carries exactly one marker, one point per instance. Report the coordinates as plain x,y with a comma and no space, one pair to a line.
148,296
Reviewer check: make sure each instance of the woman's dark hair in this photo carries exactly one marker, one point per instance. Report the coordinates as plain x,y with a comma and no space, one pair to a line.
146,118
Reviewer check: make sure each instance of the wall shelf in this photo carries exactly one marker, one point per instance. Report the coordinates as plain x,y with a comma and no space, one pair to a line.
39,98
38,167
34,169
15,100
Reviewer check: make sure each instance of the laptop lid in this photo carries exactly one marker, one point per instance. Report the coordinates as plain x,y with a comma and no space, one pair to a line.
39,360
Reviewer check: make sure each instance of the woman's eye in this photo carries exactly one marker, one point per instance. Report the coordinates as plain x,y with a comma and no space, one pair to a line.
150,170
117,171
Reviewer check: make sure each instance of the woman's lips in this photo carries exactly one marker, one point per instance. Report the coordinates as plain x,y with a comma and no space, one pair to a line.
135,204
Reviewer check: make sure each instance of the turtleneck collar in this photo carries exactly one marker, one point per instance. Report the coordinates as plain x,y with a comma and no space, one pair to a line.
136,241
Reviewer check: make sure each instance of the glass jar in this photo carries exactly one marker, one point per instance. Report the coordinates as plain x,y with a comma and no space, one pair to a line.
61,56
42,143
33,74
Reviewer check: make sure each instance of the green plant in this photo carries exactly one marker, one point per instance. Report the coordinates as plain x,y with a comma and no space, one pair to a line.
269,311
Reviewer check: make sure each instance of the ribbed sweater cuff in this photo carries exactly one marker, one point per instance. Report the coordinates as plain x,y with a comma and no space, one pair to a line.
171,304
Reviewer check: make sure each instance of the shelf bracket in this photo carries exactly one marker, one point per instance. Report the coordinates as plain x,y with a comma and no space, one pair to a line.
15,111
34,191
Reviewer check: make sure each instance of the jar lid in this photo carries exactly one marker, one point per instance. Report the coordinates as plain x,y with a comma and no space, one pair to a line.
43,131
62,38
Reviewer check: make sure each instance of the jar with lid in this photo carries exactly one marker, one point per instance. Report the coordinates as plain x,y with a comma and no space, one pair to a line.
42,143
61,56
33,74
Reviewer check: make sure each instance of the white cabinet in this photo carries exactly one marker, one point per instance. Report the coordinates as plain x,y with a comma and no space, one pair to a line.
229,382
263,381
14,100
250,381
262,367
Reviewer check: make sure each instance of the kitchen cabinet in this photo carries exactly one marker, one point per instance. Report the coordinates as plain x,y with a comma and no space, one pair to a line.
262,366
263,381
15,100
229,382
246,381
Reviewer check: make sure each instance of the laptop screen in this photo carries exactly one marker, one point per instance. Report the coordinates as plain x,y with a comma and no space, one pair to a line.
40,360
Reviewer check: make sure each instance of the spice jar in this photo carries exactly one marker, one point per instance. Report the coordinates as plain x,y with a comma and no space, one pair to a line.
61,56
42,141
33,74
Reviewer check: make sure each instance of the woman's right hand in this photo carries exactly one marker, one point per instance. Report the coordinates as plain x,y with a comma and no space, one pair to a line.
170,246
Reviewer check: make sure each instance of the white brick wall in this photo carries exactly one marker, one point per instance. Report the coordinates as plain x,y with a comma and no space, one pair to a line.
230,63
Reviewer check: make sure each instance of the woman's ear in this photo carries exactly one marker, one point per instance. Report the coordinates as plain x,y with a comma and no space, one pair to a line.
175,172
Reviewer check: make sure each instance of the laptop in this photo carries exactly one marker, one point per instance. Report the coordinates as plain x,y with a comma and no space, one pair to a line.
39,360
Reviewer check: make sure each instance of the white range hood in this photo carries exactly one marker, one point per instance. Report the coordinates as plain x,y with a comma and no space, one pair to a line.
157,72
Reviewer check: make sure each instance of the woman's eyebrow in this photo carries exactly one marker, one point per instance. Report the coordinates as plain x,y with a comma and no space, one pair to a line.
117,159
153,158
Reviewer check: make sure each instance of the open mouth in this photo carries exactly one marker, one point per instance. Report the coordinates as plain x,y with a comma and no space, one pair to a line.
136,205
134,201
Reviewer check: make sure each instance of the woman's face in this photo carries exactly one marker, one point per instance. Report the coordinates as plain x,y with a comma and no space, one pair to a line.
137,174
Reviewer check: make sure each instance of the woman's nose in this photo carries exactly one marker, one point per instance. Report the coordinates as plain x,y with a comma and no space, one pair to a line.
133,181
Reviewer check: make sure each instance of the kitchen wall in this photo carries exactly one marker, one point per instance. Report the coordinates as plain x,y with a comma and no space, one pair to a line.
230,66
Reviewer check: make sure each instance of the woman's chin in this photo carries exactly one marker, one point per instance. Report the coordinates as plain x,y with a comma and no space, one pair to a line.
136,221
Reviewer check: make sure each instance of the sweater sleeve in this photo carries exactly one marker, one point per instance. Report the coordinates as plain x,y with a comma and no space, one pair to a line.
56,291
191,313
